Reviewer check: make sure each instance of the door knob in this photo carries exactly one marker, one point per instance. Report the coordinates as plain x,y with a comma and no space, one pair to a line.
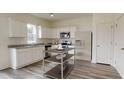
98,45
122,48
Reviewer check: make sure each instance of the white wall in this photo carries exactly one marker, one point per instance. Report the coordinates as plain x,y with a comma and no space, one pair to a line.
27,18
4,33
4,51
101,18
82,23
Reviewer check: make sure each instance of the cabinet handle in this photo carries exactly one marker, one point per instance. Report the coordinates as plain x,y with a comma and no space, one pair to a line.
98,45
122,48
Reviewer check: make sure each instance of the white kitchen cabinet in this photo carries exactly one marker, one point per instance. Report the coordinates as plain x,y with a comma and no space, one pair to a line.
72,32
46,32
17,28
58,33
43,32
25,56
55,33
49,33
37,53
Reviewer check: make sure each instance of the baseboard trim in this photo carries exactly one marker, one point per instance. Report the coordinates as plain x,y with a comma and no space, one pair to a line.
122,76
103,64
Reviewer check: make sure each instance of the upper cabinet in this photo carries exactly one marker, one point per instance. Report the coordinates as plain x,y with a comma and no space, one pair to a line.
46,32
49,33
17,28
72,31
55,33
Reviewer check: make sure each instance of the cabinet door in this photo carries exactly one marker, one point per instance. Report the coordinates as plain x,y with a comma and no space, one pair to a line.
46,33
57,32
23,57
54,34
17,28
37,53
72,31
43,32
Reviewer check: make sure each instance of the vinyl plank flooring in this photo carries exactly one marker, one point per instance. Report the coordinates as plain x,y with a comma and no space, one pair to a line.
82,70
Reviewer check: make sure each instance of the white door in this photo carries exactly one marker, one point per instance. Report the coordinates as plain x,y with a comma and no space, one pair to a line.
119,44
104,43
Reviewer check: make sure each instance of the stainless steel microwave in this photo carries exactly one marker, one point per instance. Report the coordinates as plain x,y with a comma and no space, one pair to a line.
64,35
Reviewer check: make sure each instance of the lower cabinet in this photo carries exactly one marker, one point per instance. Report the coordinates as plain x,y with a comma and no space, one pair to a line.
25,56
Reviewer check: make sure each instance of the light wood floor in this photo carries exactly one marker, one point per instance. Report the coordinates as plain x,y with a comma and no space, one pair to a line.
82,70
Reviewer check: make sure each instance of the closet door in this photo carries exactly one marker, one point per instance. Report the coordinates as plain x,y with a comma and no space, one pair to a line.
119,44
104,43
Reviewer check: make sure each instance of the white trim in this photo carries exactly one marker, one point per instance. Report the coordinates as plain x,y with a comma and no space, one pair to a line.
118,70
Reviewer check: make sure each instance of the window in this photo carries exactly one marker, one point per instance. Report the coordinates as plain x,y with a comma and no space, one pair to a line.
33,33
39,32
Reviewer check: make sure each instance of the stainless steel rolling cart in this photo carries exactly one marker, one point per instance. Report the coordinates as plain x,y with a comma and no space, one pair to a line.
63,67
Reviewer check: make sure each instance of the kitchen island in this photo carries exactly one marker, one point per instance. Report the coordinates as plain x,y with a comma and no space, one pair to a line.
63,67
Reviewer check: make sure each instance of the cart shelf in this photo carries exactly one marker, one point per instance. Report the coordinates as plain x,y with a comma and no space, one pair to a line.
58,61
55,73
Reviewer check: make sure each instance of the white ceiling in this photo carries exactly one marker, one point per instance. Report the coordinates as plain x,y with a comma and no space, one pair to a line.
60,16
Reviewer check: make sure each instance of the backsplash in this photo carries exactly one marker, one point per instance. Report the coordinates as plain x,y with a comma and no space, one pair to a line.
17,40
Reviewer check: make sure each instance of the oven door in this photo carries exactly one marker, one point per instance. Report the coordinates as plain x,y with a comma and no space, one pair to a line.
47,47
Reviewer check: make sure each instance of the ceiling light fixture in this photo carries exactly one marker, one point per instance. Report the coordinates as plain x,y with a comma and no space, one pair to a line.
51,15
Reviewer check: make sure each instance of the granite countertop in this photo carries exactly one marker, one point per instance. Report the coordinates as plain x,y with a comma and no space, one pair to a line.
19,46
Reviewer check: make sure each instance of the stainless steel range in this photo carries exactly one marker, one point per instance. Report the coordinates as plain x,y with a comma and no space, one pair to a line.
66,43
47,47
